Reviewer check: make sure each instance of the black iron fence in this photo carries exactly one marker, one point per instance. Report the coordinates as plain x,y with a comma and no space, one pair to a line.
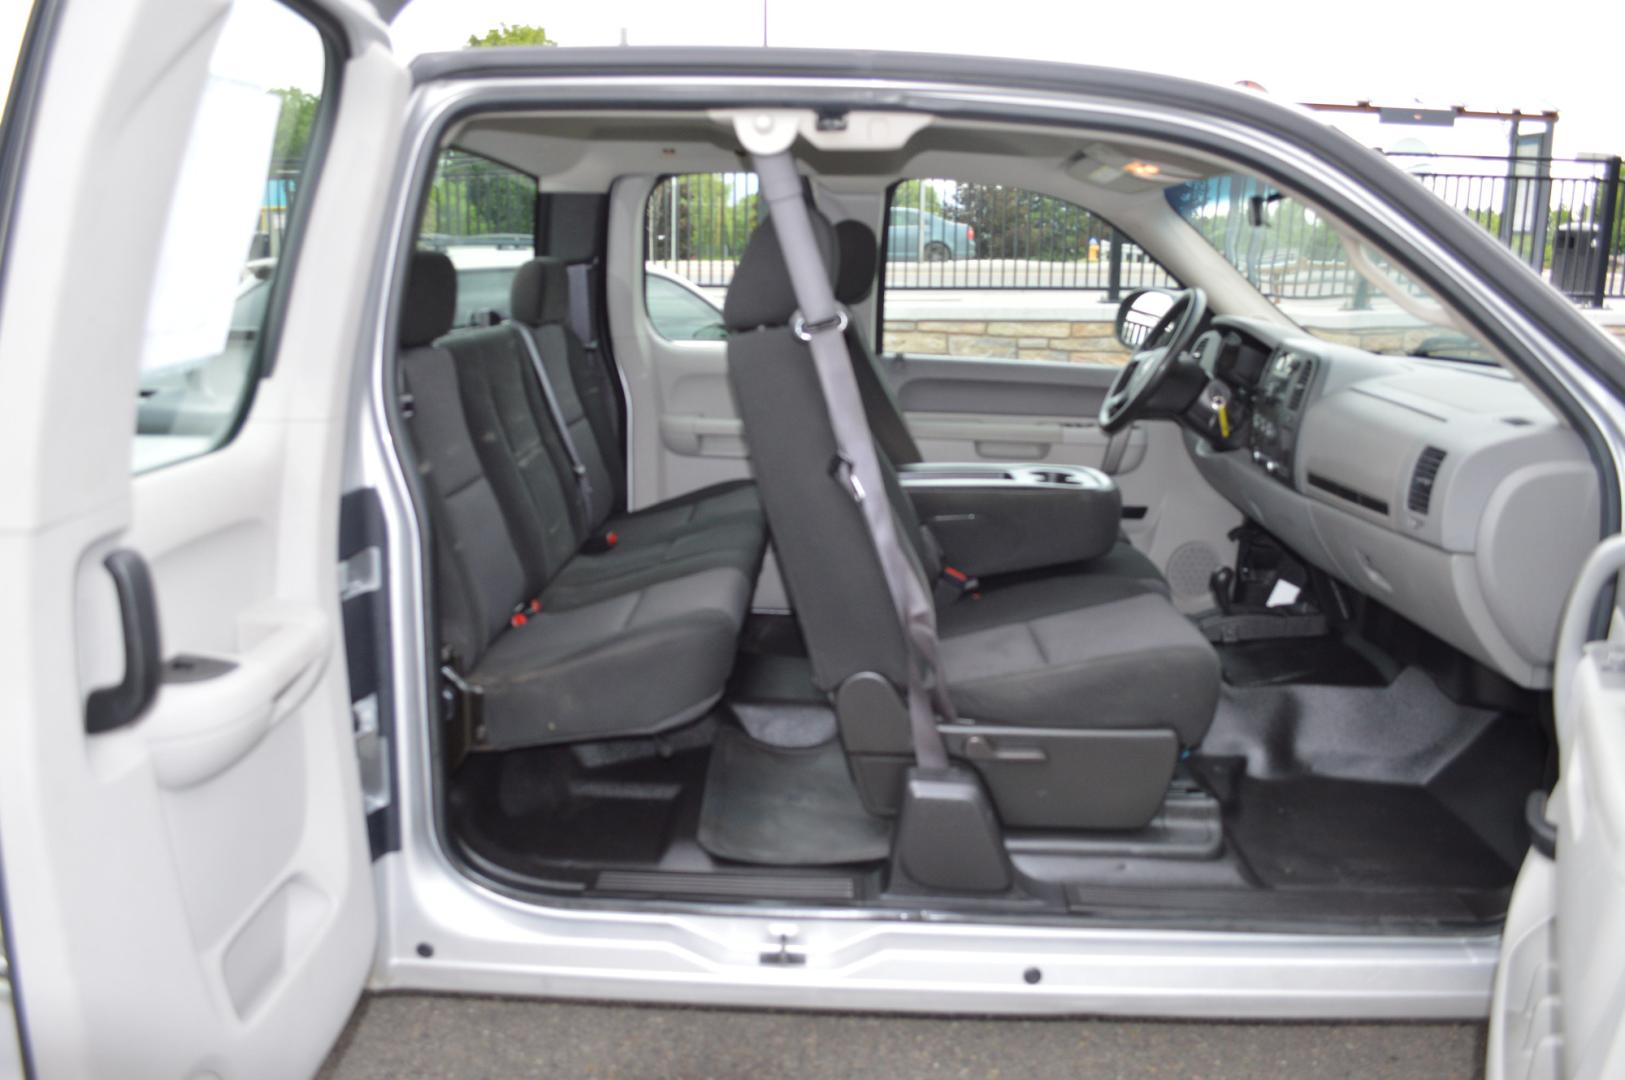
697,225
1566,217
473,202
477,202
939,235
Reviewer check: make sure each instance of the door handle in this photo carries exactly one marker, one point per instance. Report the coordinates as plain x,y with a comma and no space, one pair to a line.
204,726
111,707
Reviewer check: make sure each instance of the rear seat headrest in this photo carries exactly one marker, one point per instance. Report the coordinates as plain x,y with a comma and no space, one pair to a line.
541,293
859,252
760,293
431,298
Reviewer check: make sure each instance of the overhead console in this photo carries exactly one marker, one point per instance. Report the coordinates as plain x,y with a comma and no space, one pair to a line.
1446,491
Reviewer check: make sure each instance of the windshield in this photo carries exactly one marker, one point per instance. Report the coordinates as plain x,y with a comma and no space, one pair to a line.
1292,255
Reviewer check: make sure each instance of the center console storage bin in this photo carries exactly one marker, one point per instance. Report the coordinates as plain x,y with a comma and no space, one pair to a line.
999,519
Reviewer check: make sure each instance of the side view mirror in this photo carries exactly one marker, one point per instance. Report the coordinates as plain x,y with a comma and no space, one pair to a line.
1139,313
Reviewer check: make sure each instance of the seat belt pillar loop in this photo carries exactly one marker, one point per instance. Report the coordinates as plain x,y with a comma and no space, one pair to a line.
820,322
841,469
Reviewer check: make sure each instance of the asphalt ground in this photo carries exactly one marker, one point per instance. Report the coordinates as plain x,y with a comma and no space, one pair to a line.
418,1035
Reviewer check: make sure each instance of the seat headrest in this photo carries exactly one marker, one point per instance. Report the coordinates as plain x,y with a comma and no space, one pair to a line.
430,303
540,293
859,253
760,293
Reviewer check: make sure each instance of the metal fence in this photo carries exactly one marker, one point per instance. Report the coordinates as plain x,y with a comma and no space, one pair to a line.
473,202
1566,217
940,235
697,225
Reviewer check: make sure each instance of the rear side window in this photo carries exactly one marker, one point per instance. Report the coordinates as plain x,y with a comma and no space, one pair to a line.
695,228
990,271
482,214
230,231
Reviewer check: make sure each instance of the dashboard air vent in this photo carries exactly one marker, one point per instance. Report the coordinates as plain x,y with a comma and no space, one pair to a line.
1300,383
1426,472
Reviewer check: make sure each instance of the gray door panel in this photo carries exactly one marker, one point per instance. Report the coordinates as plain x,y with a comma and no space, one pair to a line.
1005,410
1009,410
926,384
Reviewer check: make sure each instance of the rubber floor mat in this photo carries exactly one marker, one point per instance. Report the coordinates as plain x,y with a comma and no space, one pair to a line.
1327,661
776,806
1315,831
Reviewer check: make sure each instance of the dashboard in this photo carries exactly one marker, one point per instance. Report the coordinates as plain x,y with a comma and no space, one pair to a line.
1445,490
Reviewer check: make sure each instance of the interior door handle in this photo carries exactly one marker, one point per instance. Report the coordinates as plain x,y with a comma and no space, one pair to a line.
111,707
204,726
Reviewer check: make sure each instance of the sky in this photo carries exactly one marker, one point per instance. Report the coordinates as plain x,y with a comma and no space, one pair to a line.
1492,54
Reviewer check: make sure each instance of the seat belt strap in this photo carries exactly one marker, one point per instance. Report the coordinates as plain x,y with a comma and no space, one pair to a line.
583,481
821,323
579,275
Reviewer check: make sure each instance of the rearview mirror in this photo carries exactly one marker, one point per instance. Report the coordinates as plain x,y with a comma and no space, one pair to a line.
1139,313
1256,217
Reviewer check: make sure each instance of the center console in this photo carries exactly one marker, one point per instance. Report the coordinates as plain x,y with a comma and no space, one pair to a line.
1000,519
1277,409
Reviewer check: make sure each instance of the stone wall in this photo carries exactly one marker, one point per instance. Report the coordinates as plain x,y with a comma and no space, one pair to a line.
1092,342
1022,339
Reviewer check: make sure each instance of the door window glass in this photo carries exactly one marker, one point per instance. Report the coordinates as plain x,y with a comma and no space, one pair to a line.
989,271
482,214
243,177
695,228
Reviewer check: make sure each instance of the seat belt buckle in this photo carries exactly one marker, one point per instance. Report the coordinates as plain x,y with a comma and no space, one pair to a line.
960,582
523,611
462,710
597,545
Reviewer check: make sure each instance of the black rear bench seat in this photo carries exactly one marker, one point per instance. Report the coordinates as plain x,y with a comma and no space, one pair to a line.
567,636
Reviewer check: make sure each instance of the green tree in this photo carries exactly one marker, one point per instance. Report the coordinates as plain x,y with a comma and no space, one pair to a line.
1012,223
510,35
293,123
918,195
471,196
716,213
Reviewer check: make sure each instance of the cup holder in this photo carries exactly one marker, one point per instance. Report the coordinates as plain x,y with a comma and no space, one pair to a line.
1054,476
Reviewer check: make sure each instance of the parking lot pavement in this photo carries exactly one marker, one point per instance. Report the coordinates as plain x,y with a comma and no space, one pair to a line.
432,1036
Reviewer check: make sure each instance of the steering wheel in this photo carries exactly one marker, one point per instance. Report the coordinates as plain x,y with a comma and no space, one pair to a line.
1131,392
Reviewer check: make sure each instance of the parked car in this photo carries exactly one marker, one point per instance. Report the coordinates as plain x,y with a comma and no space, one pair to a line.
914,235
678,310
1272,674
